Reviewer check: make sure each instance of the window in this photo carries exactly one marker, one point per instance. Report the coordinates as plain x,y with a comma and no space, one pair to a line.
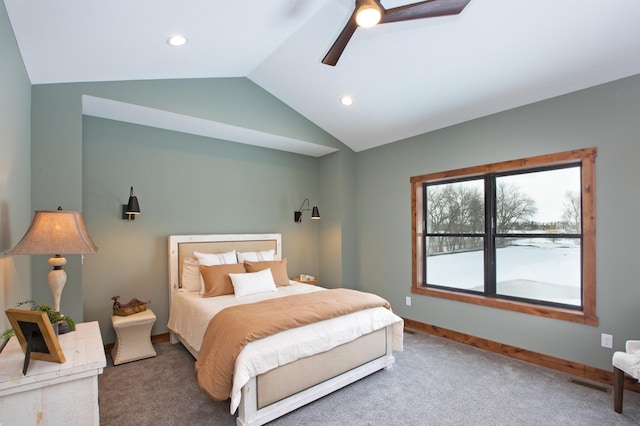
517,235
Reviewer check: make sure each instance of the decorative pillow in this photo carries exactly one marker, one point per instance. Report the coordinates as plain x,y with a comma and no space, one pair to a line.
256,256
191,278
252,283
278,269
209,259
216,278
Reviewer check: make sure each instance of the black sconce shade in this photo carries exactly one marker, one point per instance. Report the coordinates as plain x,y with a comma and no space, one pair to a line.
132,208
297,215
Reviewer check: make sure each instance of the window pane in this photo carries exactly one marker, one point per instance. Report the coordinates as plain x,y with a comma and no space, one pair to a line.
540,269
456,262
456,207
545,201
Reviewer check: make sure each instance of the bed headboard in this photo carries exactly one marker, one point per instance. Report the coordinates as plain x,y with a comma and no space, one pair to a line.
181,246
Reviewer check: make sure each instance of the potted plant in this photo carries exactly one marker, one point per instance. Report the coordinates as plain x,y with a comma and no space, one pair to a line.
4,337
61,323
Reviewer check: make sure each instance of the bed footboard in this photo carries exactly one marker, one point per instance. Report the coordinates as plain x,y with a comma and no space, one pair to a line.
270,395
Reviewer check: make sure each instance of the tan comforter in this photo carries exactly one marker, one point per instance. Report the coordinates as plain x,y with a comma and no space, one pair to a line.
232,328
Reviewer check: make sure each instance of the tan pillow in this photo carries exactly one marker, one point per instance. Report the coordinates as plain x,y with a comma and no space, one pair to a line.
216,278
278,269
191,278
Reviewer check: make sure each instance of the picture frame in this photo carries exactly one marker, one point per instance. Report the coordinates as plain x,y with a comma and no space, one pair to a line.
35,335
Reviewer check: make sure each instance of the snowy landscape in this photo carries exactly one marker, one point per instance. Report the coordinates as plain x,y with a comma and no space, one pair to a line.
535,268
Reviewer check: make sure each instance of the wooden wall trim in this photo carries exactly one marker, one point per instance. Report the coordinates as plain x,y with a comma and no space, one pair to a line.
569,367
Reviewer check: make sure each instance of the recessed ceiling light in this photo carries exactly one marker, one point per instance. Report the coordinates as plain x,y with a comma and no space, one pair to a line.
346,100
177,40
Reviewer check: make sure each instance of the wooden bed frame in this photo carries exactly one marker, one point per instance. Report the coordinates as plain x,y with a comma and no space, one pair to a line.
275,393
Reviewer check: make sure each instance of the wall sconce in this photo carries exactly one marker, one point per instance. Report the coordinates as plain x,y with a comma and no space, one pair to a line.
297,215
132,208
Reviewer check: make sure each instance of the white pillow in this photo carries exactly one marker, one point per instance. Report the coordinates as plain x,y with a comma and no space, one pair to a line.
252,283
213,259
191,277
257,256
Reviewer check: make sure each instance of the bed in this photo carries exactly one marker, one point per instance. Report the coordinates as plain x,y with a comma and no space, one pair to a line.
322,357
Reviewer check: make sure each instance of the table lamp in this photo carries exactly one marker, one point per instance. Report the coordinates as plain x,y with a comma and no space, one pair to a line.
56,232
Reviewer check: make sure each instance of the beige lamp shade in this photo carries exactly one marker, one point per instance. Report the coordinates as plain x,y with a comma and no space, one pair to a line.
56,232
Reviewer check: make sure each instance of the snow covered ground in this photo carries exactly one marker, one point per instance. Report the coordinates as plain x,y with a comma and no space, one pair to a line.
542,269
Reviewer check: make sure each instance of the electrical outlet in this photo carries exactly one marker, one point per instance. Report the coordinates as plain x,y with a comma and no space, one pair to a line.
606,340
408,301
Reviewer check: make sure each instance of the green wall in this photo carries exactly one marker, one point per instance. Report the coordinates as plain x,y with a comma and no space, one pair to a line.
338,242
605,117
186,184
15,170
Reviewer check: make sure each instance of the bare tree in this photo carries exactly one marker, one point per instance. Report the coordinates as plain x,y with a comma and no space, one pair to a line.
458,208
512,206
572,214
437,214
453,209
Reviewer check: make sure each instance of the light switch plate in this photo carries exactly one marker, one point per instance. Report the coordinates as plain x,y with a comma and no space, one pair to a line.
606,340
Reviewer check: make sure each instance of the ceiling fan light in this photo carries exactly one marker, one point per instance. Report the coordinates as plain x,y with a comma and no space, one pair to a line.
368,17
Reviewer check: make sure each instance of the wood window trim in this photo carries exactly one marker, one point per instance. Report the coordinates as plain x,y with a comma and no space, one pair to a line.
587,158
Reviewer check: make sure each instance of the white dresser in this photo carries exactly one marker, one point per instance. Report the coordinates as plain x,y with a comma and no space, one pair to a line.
52,393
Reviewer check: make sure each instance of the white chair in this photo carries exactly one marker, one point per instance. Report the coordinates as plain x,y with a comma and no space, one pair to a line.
625,362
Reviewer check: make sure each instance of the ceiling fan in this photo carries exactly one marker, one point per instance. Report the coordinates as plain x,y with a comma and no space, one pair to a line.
368,13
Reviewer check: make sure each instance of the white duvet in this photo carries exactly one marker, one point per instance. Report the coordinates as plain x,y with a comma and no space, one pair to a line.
190,315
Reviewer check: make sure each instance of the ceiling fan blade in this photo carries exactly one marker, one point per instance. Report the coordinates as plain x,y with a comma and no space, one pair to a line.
332,56
424,9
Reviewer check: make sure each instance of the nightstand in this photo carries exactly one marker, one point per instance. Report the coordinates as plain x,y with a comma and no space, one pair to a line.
133,337
311,282
52,393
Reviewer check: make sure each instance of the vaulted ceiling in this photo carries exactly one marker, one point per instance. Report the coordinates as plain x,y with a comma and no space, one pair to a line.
405,78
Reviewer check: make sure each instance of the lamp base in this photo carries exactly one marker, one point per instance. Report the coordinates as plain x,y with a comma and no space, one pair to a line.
61,327
56,279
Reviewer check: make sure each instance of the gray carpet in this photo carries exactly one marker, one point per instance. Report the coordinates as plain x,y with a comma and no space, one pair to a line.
434,382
